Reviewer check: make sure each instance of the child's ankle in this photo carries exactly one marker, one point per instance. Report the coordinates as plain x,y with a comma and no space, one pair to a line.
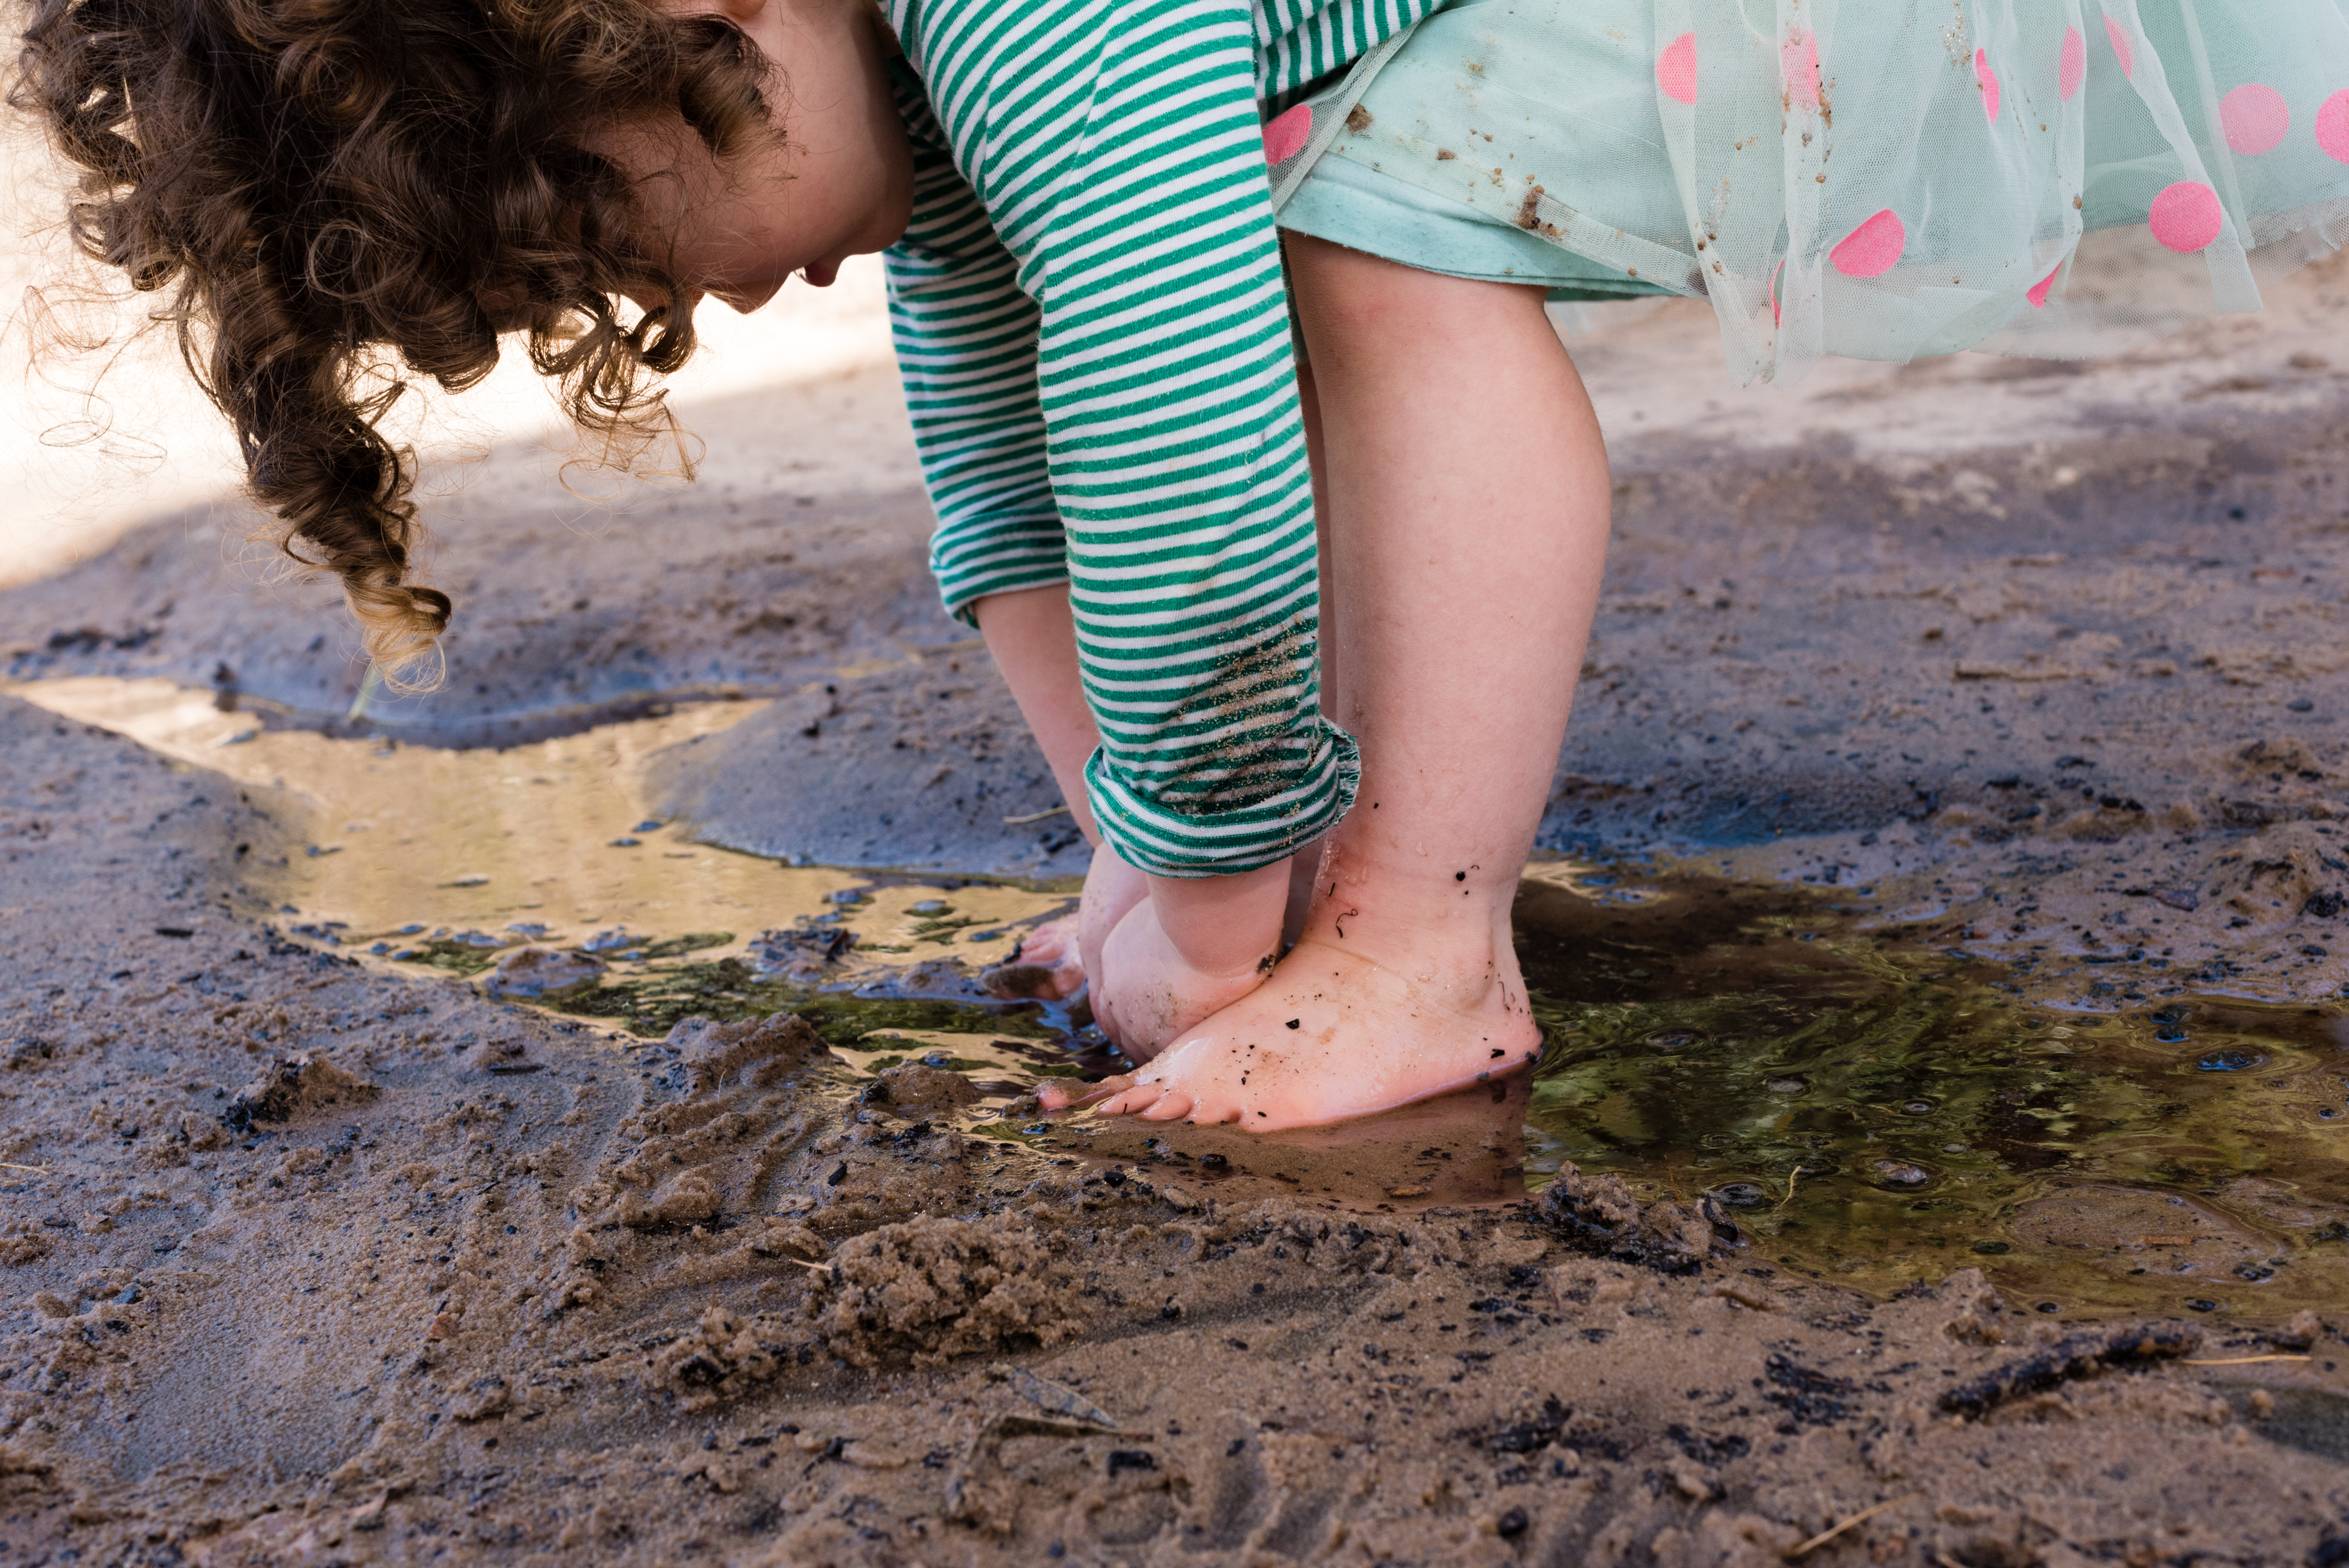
1225,924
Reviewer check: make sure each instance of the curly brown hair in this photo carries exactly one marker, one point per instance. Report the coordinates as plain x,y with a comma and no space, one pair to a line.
315,182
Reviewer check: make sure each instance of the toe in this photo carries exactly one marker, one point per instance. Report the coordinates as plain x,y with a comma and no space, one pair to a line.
1132,1101
1172,1106
1044,966
1062,1095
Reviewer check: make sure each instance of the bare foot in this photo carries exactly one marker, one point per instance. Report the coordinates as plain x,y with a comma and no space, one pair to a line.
1334,1034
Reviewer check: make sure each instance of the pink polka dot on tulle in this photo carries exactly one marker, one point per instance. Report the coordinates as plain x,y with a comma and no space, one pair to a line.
2332,127
1798,66
2254,117
2038,295
1871,250
1676,69
2121,46
2187,216
1989,80
1286,137
2074,64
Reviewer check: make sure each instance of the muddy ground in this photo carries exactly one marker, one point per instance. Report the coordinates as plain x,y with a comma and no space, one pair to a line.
311,1265
311,1262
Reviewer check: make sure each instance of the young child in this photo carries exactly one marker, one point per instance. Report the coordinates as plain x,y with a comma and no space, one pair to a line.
1870,179
1092,321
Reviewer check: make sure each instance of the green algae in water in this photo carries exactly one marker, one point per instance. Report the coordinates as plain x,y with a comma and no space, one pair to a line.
1876,1113
651,1003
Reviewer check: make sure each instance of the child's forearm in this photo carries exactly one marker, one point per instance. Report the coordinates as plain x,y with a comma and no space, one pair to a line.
1033,640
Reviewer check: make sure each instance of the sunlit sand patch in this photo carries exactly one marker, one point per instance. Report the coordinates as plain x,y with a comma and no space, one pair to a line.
552,844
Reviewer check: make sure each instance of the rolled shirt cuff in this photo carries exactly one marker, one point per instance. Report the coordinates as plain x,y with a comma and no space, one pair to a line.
971,561
1192,831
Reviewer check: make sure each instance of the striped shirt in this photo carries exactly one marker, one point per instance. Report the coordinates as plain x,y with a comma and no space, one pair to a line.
1094,331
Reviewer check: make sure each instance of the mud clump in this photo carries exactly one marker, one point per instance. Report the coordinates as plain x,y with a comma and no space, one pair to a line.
929,1289
915,1088
707,1152
1597,1216
1977,1314
2299,1332
2074,1357
538,972
754,1053
27,1052
21,1242
294,1087
721,1357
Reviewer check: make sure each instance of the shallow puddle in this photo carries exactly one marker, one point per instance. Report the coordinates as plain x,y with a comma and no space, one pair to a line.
1877,1112
1870,1109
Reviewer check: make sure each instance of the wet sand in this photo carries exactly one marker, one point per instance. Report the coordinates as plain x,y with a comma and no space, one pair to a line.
314,1264
1954,737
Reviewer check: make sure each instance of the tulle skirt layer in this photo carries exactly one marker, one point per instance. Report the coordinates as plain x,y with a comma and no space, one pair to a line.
1876,178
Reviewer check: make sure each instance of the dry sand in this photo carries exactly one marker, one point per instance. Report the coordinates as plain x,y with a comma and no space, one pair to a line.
308,1260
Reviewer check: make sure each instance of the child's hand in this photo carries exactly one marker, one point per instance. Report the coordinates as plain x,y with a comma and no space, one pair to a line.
1112,888
1147,992
1188,949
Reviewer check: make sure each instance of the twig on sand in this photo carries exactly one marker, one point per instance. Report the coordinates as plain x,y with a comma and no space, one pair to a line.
1789,1198
2240,1360
368,689
1824,1536
820,1268
9,1165
1033,817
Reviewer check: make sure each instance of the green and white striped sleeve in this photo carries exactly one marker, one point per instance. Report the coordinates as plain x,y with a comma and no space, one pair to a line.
1114,147
966,342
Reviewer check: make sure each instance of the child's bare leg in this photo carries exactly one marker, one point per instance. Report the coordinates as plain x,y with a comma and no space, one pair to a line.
1469,515
1033,641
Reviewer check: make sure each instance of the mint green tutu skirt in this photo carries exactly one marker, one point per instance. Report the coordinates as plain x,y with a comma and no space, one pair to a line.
1874,179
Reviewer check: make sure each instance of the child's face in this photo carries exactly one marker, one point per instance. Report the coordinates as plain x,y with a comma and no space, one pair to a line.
838,184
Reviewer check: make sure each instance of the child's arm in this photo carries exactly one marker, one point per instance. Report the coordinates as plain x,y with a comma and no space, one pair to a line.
1033,641
1101,352
1182,947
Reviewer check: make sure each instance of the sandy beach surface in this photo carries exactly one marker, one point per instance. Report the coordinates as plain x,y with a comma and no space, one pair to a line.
572,1118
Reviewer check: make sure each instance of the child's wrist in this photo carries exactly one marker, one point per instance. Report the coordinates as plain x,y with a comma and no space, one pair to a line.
1225,924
